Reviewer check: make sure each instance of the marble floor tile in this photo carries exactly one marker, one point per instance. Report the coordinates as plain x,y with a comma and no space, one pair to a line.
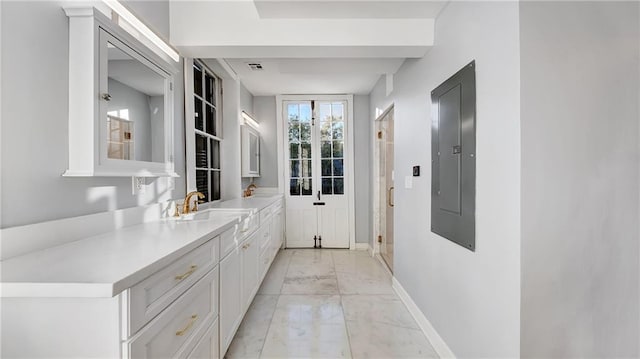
249,338
328,304
384,309
356,283
273,280
311,256
378,340
310,284
359,264
307,326
310,272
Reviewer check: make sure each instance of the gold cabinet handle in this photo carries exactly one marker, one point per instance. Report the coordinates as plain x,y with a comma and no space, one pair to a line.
186,329
245,246
389,196
187,273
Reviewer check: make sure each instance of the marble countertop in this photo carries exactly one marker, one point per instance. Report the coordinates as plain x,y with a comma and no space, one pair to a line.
107,264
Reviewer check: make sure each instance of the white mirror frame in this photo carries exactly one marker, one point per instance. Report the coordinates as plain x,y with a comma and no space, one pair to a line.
89,30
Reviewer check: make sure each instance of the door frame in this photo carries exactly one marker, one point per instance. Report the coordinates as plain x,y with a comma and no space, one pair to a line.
377,208
349,158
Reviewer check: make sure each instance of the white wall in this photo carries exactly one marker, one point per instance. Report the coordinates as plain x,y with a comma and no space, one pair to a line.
580,163
471,298
35,73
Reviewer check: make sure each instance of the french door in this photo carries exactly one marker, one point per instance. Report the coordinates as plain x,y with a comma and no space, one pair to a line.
316,173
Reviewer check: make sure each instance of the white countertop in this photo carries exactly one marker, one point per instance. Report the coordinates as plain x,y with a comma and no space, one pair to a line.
257,202
105,265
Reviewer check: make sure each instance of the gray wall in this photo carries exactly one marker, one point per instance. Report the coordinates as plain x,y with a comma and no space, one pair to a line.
264,108
35,124
362,153
137,103
154,12
580,179
471,298
246,105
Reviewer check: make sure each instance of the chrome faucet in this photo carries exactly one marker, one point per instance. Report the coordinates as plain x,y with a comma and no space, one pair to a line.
186,207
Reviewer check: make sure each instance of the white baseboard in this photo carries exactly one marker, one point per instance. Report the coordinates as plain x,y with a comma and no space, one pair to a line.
362,246
429,331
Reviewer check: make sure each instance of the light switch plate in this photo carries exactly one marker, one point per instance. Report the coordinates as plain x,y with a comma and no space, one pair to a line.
408,182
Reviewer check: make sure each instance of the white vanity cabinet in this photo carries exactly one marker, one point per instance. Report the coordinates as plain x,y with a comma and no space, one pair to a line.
236,277
249,257
244,265
170,314
231,309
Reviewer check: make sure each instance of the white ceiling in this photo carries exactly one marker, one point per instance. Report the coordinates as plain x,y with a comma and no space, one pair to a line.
344,9
306,46
313,76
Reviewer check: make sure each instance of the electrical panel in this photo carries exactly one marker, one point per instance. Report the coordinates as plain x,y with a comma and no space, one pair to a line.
453,154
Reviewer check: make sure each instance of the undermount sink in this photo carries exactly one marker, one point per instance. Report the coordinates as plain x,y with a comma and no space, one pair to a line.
194,216
207,214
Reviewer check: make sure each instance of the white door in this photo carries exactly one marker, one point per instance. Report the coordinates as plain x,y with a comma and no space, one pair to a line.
316,174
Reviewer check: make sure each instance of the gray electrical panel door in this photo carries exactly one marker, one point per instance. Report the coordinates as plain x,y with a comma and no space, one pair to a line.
453,165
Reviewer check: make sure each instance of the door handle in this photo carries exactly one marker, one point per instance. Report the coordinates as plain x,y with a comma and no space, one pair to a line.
389,196
318,195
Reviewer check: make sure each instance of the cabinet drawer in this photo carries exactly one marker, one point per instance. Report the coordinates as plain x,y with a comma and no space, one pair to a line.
265,262
175,331
207,347
229,240
264,237
235,235
265,214
149,297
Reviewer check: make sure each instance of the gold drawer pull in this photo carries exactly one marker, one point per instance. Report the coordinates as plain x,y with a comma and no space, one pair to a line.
246,246
186,329
188,273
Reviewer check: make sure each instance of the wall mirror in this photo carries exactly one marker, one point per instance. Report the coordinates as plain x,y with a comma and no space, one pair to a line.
135,101
120,101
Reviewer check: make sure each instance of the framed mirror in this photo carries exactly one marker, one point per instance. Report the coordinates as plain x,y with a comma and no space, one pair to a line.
120,103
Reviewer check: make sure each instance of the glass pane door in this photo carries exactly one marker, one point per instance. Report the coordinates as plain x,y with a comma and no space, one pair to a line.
331,122
299,117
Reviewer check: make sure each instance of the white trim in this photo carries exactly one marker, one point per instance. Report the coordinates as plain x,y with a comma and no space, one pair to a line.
349,157
250,120
142,28
189,126
362,247
429,331
225,65
280,142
